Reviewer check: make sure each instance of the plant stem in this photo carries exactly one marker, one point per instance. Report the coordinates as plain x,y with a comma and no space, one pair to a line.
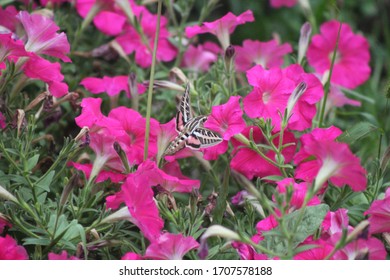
327,84
151,80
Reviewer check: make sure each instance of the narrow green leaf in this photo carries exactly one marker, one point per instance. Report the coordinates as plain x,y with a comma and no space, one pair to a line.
37,241
357,132
45,181
32,162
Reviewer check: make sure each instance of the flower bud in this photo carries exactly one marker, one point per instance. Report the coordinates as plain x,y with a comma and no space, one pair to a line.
303,41
4,194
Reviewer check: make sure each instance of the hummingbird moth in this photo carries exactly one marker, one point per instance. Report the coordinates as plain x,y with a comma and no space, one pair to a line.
192,134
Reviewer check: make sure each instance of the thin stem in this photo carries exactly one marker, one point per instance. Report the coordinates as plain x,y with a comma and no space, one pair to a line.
151,80
327,84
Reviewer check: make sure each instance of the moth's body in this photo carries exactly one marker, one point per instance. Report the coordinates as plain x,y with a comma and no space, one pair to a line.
184,135
192,134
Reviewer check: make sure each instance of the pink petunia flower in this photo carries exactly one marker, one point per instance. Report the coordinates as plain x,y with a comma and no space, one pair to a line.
225,119
361,248
352,55
199,58
270,94
379,215
335,222
111,85
222,28
283,3
250,163
37,67
10,250
132,42
63,256
42,36
3,123
8,20
170,247
299,191
321,250
10,47
267,54
323,159
131,256
143,210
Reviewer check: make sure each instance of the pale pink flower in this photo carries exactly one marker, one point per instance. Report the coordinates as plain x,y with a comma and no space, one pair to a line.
283,3
37,67
337,98
322,159
110,85
222,28
42,36
63,256
352,55
379,215
10,250
170,247
267,54
199,58
250,163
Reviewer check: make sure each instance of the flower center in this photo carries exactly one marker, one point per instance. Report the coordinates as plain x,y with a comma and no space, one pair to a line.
266,97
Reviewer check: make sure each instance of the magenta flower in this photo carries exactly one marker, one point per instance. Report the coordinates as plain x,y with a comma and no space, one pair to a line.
131,41
321,250
42,36
379,215
143,210
267,54
199,58
10,47
250,163
323,159
283,3
103,175
352,55
131,256
170,247
299,191
361,248
132,133
63,256
222,28
335,222
3,123
110,85
226,119
270,94
10,250
37,67
304,109
8,19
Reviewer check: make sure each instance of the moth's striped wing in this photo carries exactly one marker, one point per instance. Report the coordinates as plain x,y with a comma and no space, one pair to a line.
184,113
203,138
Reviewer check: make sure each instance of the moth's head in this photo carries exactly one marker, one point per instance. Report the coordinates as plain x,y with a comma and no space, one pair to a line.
203,119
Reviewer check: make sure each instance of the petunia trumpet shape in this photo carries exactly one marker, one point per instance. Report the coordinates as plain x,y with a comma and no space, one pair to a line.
10,250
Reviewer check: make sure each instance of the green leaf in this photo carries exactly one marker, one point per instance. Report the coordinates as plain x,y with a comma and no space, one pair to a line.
32,162
357,132
37,241
313,216
272,178
45,181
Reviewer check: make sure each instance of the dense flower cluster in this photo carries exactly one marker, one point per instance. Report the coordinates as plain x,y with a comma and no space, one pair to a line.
269,130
